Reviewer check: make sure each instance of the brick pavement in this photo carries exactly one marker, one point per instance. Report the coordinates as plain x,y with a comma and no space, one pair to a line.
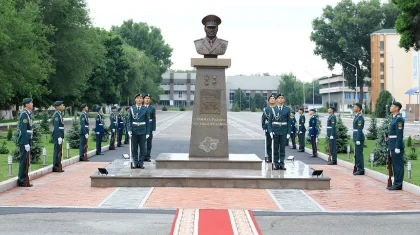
360,193
71,188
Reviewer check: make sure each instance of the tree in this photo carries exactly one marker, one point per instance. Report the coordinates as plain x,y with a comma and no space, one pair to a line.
149,40
45,125
290,88
380,151
36,146
342,34
235,107
408,23
9,133
373,130
240,99
309,92
342,137
259,101
383,103
25,63
76,50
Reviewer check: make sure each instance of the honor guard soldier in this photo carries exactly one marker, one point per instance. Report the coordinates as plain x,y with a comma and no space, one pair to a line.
125,124
302,131
279,128
120,121
396,145
332,135
99,130
313,132
113,126
358,139
58,135
152,121
84,130
264,119
293,129
24,140
138,130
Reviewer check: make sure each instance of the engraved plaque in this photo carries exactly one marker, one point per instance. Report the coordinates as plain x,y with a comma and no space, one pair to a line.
210,101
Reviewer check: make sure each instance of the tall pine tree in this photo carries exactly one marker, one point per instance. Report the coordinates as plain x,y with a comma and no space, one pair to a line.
373,130
380,150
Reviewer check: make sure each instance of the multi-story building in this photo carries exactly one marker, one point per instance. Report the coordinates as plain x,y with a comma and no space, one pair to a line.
395,70
335,92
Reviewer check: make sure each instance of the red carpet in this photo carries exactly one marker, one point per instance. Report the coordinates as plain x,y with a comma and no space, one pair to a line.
214,222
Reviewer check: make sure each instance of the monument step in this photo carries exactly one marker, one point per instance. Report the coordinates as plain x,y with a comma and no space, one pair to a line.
184,161
297,176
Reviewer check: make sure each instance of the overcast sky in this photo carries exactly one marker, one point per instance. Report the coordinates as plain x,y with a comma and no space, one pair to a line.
264,35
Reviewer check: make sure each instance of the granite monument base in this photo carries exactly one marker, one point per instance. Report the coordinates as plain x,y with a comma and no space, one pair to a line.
297,176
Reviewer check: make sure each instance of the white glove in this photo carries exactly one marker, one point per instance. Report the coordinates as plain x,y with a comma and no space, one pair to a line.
28,147
331,137
358,142
300,132
147,136
98,133
397,151
288,136
60,140
265,130
113,130
130,133
87,136
272,134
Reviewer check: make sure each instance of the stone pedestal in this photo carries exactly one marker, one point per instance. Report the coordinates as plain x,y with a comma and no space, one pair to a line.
209,131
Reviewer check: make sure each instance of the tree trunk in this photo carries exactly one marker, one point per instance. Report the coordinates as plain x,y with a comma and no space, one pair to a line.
17,108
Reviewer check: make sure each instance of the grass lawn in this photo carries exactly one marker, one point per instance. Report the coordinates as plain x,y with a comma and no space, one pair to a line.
4,172
369,146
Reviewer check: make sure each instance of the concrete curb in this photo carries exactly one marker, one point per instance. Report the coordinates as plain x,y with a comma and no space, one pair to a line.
11,183
411,188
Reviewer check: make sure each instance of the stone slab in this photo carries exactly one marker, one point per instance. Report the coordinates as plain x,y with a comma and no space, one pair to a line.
210,62
297,176
184,161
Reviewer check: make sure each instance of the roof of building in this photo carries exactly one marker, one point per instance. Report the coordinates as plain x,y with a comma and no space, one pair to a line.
386,31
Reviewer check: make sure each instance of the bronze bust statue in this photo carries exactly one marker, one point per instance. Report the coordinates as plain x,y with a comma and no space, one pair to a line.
211,46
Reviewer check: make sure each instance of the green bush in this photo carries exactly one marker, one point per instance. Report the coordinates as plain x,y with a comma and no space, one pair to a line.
72,136
412,155
3,149
164,108
105,136
373,130
322,110
409,141
384,100
45,126
380,151
182,107
10,133
235,108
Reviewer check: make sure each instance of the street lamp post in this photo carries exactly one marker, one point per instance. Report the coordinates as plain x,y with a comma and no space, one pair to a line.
392,67
354,66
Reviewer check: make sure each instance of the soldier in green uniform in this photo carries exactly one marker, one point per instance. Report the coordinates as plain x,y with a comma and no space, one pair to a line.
112,127
264,119
126,123
293,129
332,135
313,132
99,130
396,145
84,130
301,130
58,134
120,122
138,130
358,138
24,139
279,128
152,121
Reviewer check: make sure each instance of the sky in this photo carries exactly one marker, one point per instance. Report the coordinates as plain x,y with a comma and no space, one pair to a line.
264,35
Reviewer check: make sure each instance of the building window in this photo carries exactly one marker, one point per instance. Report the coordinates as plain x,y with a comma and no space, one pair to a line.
192,92
358,95
381,45
265,95
347,96
231,95
382,77
382,66
382,54
166,92
180,94
382,86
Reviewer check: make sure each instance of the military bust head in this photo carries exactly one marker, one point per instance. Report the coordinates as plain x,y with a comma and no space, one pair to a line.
211,46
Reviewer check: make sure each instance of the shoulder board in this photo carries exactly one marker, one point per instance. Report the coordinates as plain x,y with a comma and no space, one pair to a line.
198,40
224,41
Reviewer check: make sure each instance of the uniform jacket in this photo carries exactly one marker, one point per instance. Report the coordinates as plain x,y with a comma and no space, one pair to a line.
331,126
84,124
138,120
58,123
120,121
99,126
302,121
203,46
113,120
292,125
279,121
25,128
396,133
358,125
312,126
264,118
